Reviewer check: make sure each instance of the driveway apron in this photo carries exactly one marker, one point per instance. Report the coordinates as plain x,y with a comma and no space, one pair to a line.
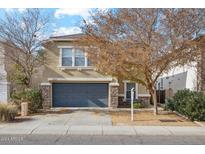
55,123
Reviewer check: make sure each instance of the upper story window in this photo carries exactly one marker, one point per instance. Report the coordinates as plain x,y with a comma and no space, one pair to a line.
67,55
74,57
79,58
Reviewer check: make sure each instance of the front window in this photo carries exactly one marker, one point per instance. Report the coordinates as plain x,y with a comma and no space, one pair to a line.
67,57
74,57
79,58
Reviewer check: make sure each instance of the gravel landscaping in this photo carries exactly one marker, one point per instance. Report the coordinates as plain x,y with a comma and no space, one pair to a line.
146,118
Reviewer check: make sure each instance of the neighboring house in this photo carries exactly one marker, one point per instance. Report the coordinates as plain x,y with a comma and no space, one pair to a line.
68,79
192,78
6,73
179,78
178,81
4,84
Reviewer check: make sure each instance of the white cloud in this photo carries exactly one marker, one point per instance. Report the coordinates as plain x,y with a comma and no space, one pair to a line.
84,12
66,31
8,9
103,9
21,10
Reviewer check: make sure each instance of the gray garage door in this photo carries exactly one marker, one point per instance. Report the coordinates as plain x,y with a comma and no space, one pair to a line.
80,94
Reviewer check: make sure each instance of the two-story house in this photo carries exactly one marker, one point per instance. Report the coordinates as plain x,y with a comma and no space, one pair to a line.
68,79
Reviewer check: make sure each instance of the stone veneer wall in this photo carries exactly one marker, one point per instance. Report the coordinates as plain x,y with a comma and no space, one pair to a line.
113,95
46,95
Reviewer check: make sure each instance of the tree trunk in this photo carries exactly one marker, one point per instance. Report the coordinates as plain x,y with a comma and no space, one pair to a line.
154,99
28,85
29,75
155,102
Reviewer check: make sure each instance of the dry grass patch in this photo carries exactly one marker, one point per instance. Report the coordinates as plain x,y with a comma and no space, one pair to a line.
146,118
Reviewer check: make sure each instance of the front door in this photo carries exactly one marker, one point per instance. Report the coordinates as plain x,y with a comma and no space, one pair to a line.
129,86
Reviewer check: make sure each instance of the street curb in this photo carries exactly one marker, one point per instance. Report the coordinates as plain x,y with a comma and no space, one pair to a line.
181,115
199,123
196,122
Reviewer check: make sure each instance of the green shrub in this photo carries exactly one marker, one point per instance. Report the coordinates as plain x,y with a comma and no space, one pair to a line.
137,105
33,97
188,103
8,112
169,104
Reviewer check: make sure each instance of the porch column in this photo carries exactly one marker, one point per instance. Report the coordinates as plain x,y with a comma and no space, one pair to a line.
46,89
113,95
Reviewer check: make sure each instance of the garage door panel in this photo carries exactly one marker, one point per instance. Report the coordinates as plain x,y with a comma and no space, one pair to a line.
80,95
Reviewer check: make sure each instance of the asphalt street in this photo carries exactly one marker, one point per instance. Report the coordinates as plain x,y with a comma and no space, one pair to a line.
99,140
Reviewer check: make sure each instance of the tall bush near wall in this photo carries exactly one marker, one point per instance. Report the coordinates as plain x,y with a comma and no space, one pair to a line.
7,112
33,97
188,103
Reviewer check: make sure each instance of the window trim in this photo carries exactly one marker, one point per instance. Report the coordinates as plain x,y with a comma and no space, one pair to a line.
73,59
125,89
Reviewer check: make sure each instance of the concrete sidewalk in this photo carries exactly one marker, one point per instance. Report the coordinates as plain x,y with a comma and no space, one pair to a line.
100,130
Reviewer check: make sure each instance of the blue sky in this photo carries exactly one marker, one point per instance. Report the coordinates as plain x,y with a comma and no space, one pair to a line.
63,21
67,21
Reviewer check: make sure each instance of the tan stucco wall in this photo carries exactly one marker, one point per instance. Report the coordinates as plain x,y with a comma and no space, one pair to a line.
142,89
51,68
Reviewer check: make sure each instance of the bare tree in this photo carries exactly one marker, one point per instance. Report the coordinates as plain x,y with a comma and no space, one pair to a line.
141,44
21,35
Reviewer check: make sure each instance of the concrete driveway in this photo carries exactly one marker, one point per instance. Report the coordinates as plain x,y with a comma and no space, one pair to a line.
57,123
